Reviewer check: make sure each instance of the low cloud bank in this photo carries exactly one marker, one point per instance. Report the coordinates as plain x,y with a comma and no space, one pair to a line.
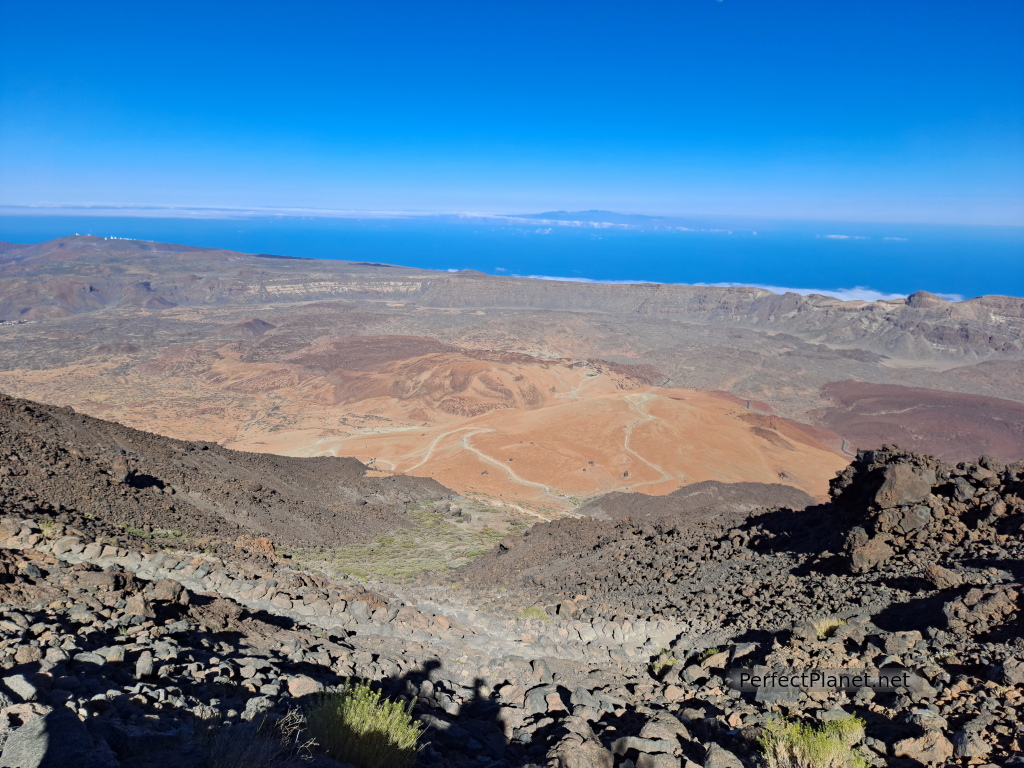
590,280
857,293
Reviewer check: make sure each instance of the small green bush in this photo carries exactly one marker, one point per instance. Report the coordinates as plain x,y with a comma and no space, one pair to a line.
791,744
534,612
168,533
354,724
663,662
705,655
826,627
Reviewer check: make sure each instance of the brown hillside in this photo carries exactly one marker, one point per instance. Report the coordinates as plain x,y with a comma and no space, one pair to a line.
869,415
60,458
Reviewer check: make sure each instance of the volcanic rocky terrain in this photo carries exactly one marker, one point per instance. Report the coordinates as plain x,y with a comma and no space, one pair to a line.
551,516
149,617
539,395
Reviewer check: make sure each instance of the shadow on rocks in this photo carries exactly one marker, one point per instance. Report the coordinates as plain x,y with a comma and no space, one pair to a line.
813,530
149,712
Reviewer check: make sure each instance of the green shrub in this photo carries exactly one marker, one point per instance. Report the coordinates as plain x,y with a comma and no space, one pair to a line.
664,661
168,533
534,612
705,655
827,626
791,744
354,724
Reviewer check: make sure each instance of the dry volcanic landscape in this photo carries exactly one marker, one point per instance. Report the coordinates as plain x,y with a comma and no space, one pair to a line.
547,518
540,395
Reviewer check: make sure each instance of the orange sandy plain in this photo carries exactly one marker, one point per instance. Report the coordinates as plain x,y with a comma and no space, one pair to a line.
540,434
552,458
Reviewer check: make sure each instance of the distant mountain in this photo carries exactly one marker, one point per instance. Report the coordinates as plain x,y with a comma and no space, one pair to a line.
609,217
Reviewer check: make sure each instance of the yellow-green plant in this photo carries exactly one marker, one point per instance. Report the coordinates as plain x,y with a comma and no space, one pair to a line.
663,662
827,626
534,612
792,744
354,724
705,655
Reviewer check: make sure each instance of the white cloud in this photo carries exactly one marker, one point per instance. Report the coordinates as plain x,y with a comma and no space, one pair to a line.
857,293
842,237
500,269
586,280
896,239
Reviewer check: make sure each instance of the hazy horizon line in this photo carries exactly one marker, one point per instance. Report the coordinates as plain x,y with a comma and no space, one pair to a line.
227,212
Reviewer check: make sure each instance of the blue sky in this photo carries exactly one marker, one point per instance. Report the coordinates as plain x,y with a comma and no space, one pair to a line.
867,111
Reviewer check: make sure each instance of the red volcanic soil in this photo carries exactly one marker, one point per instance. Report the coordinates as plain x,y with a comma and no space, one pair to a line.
948,425
366,353
754,405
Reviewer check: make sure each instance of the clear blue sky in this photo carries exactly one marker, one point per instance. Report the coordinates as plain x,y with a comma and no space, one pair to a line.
868,110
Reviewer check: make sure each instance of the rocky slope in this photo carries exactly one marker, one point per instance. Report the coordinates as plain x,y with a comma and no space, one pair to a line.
582,643
172,489
870,414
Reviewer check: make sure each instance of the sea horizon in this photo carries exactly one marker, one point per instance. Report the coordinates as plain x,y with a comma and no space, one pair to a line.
848,260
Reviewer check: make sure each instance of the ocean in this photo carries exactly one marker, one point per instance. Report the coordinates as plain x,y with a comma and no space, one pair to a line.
878,259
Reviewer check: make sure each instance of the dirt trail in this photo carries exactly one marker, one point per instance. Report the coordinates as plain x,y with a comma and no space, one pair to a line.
433,444
576,393
635,401
548,490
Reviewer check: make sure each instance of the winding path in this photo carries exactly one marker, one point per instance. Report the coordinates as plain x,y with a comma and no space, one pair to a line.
548,490
433,444
635,401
